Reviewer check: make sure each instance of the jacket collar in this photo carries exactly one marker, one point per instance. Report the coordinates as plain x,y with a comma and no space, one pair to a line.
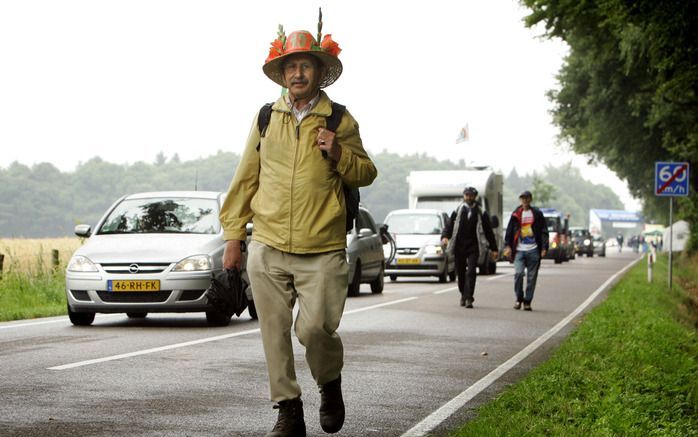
323,108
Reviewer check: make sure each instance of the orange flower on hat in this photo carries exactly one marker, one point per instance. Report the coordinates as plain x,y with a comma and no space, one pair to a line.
329,46
276,49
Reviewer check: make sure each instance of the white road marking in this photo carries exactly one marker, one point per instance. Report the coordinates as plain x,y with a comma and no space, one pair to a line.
53,320
373,307
200,341
443,413
445,290
506,275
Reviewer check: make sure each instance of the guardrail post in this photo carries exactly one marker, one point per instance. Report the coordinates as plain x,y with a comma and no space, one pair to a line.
650,262
2,260
55,259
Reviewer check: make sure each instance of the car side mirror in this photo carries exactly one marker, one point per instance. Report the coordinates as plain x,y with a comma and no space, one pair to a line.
495,221
83,231
365,232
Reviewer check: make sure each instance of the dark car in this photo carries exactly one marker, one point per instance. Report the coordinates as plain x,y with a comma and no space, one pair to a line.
583,242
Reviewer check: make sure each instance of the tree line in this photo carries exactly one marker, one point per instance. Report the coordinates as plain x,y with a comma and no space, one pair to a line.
41,201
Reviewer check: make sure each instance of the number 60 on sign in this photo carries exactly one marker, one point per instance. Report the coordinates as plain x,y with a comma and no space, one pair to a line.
671,178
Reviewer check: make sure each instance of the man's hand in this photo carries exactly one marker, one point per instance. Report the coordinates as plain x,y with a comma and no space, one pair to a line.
444,241
495,255
507,252
325,142
232,255
543,253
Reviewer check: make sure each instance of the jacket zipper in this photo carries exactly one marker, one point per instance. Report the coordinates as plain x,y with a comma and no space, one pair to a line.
293,179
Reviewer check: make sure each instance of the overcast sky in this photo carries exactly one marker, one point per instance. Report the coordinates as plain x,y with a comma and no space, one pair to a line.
125,80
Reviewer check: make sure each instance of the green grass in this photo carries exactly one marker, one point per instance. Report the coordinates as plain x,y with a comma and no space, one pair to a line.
629,369
26,296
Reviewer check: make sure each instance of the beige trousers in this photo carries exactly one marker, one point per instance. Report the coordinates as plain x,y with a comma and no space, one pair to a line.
319,283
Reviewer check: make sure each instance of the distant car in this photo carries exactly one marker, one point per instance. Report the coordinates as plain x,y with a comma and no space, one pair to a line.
599,245
150,252
583,241
419,252
561,247
365,254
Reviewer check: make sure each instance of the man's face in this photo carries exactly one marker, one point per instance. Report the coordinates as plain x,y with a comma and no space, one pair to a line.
469,198
302,74
525,201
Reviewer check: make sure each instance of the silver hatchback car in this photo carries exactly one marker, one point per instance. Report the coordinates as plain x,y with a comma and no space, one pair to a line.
365,254
150,252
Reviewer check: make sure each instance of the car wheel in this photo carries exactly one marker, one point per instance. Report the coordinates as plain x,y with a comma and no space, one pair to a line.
355,283
493,267
451,276
393,278
137,315
377,284
217,318
81,318
252,309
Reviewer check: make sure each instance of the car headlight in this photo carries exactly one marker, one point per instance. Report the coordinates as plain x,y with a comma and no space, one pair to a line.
587,242
196,263
553,245
433,250
79,263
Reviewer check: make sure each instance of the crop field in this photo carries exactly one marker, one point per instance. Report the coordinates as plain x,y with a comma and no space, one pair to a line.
35,255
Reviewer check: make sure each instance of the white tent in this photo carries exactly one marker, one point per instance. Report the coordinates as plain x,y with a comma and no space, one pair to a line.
680,234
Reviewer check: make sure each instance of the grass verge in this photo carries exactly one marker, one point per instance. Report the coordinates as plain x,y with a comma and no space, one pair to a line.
25,296
629,369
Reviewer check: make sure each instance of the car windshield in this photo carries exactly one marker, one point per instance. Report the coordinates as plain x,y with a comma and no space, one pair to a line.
579,233
414,224
163,215
553,224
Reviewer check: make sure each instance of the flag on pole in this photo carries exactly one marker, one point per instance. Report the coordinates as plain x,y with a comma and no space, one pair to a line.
464,134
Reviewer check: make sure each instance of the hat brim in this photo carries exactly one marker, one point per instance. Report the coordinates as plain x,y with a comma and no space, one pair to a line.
333,67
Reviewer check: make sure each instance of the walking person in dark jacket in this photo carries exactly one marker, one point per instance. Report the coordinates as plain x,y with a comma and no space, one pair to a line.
526,243
469,236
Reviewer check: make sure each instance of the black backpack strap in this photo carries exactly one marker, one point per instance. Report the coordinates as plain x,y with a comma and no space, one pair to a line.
263,120
332,122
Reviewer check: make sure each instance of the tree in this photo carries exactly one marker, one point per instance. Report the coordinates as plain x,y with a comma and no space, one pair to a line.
628,88
543,192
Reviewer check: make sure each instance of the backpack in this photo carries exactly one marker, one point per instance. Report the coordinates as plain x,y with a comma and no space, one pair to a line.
352,197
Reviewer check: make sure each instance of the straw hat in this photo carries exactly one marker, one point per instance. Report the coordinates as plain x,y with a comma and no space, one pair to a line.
302,41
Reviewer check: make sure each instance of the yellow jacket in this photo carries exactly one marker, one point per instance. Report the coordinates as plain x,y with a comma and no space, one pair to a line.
294,194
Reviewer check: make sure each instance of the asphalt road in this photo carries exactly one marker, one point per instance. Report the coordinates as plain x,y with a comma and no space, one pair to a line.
408,352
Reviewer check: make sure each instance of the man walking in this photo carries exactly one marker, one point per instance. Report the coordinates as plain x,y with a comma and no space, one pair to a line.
290,181
469,236
526,242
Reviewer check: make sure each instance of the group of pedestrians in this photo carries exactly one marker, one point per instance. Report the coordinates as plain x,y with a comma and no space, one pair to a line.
470,239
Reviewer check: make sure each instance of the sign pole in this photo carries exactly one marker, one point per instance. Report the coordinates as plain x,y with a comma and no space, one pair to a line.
671,236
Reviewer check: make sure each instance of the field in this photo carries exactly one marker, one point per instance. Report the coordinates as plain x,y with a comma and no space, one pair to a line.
33,256
31,284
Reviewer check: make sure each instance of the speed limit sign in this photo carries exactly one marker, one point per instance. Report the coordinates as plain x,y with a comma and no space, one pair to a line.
671,178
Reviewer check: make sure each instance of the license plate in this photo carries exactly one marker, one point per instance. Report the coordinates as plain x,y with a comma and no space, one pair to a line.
139,285
408,261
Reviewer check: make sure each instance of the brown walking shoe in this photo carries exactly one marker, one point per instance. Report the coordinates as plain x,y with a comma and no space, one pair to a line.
331,406
517,305
527,306
290,422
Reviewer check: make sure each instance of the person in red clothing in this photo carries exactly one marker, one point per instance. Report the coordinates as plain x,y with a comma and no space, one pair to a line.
526,243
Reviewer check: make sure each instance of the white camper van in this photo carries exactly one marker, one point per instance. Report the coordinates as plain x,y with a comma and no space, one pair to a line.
443,190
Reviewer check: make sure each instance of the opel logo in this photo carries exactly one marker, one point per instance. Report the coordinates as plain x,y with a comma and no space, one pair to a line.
133,268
